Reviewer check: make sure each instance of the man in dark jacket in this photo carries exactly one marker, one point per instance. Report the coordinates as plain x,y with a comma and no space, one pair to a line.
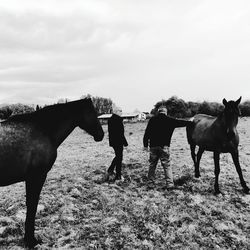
158,137
116,140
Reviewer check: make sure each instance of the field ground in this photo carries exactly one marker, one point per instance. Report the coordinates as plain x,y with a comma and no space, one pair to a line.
77,210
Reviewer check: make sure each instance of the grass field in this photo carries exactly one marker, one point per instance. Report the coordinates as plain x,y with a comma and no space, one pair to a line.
78,210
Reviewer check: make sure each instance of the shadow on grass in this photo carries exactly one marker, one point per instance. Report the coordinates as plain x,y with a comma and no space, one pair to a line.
183,180
135,175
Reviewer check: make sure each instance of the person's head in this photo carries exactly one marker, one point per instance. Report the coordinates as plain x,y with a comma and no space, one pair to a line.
117,111
162,110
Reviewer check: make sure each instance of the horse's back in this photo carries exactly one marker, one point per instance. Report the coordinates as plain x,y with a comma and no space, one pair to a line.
203,119
200,132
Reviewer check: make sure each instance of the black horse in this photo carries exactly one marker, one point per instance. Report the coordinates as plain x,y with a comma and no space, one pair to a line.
219,135
28,148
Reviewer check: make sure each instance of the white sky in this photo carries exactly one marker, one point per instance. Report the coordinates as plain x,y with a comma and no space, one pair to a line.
135,52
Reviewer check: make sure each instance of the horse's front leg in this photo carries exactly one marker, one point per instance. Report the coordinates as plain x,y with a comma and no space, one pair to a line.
235,156
197,164
34,184
216,172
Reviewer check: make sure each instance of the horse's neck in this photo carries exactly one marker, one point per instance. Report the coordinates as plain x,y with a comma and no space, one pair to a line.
227,124
58,126
61,132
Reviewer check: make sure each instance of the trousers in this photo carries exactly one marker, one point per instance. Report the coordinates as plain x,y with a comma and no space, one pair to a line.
116,163
163,154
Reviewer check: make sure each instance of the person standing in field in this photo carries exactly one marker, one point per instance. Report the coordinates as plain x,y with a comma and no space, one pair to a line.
117,140
157,136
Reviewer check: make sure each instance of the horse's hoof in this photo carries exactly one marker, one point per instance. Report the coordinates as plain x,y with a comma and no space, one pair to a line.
31,243
246,190
197,175
218,192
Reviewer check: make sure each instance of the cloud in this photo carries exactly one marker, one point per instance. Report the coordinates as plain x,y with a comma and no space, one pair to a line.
44,46
119,49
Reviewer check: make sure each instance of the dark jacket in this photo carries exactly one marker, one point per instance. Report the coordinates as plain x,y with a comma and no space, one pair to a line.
160,129
116,131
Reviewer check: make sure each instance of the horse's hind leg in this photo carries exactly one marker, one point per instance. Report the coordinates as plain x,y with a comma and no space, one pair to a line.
34,184
216,172
193,155
235,156
197,164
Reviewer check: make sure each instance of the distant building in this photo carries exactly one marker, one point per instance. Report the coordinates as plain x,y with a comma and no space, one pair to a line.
127,117
142,116
148,115
104,118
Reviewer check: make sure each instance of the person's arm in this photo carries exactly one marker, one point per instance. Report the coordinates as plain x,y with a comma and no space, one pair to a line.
146,135
180,122
110,131
125,143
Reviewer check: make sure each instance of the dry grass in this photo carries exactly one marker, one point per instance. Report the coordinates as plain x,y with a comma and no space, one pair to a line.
78,210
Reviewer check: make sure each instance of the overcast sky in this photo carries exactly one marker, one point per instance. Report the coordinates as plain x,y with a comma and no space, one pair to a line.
135,52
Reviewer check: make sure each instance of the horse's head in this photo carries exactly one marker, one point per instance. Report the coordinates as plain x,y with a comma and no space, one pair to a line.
231,114
89,121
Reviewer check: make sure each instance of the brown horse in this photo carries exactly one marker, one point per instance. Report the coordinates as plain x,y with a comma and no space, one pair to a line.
219,135
28,148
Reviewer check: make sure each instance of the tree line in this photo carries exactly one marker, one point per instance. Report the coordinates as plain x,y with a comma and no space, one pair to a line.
176,107
14,109
179,108
101,104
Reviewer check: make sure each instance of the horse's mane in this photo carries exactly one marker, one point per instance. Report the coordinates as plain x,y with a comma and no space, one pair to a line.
220,114
20,117
51,112
48,117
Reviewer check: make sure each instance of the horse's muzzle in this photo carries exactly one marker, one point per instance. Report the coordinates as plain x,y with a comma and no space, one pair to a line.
99,137
231,134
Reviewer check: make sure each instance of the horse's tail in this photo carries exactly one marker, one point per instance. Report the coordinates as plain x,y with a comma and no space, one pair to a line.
189,130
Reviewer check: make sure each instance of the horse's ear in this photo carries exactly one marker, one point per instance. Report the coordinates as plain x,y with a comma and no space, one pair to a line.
238,101
224,101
